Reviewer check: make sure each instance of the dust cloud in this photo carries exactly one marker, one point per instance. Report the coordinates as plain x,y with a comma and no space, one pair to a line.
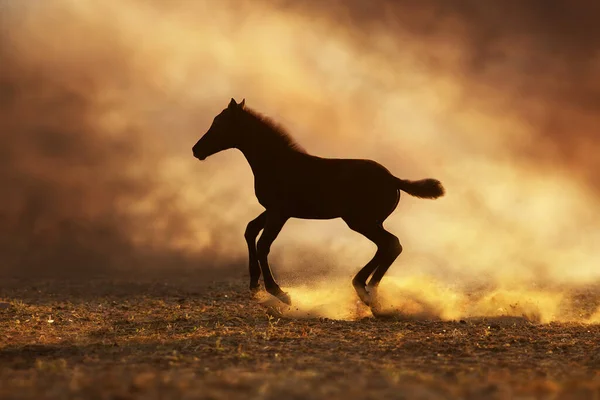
101,103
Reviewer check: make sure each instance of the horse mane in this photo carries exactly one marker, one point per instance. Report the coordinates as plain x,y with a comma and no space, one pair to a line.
275,130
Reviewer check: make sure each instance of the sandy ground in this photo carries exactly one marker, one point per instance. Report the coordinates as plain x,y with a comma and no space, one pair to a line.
124,340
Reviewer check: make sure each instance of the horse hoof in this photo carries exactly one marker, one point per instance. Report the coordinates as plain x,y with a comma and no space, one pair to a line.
285,298
254,290
376,308
366,299
373,296
363,295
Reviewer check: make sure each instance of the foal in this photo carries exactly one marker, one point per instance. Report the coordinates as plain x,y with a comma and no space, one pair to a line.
290,183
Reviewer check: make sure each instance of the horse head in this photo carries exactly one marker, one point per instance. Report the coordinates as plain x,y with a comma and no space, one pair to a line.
223,133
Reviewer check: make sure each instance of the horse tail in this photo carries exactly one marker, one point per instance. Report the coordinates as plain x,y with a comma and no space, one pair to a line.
423,189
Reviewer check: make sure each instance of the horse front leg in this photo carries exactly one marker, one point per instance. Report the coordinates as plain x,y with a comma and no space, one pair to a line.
252,230
274,224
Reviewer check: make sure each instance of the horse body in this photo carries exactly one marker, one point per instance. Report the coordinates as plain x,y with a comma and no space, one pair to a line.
312,187
290,183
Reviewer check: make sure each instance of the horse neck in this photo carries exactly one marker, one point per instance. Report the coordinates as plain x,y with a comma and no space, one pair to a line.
266,152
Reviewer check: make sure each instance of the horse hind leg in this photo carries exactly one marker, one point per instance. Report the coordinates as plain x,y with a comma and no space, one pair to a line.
391,250
388,249
359,282
370,230
252,230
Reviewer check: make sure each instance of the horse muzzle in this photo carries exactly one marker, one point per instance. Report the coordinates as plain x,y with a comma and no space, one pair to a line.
199,156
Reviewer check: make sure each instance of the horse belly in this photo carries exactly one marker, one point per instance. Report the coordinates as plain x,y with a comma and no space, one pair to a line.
302,202
375,202
314,210
313,205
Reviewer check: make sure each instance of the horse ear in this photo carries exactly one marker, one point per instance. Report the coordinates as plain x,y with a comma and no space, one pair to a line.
232,103
242,104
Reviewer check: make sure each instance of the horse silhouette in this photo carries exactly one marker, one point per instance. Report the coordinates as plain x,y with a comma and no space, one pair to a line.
290,183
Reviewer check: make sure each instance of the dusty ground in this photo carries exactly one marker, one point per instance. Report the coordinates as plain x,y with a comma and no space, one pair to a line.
121,340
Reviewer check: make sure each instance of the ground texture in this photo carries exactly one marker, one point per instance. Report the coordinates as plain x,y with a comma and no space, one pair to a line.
120,340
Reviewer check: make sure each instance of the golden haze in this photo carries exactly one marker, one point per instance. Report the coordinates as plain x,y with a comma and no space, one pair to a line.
103,101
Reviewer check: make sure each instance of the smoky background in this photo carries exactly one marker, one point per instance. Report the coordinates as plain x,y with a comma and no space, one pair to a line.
100,104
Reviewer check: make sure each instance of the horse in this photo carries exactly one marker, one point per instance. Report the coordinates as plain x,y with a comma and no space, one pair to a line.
291,183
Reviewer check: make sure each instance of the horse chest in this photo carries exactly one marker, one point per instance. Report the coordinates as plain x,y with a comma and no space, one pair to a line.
269,191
